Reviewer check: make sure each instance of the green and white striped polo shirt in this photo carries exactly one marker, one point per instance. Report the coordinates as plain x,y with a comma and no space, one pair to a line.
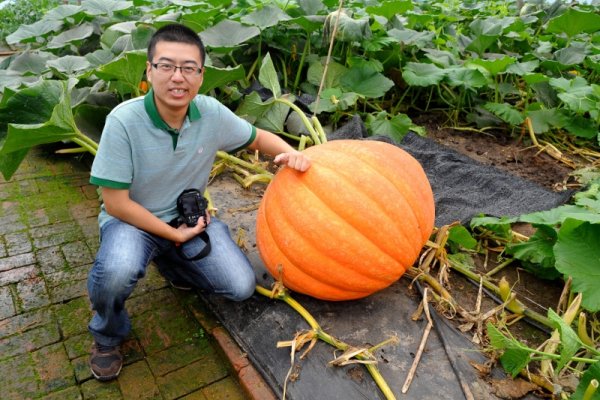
140,152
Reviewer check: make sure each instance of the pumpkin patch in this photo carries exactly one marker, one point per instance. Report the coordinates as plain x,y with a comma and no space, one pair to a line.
349,226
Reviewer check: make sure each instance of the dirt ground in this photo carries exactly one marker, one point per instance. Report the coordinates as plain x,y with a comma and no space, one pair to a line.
501,150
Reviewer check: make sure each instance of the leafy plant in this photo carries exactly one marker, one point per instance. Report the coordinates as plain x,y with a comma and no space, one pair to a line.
21,12
566,243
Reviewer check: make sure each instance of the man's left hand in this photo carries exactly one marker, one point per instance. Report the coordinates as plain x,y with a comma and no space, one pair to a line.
293,159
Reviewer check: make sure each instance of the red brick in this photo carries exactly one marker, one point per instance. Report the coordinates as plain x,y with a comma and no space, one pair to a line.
237,358
254,385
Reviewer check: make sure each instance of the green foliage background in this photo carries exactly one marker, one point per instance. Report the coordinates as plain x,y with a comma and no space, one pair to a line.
21,12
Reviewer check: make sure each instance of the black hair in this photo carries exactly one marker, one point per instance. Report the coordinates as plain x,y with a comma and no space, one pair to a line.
176,33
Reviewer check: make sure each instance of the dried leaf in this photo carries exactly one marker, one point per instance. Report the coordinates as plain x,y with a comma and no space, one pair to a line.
512,389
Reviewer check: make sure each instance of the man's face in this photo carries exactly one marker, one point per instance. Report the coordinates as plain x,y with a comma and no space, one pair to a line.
173,90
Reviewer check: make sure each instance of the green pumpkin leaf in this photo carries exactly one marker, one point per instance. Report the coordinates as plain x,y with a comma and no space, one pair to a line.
515,356
267,76
365,81
498,340
395,127
29,33
349,29
309,23
200,20
36,115
228,33
546,119
9,163
75,34
412,38
581,126
70,65
310,7
335,71
266,17
99,57
442,58
574,22
127,69
469,78
184,3
487,27
496,66
461,236
419,74
538,250
523,68
500,226
274,118
62,12
576,94
90,120
481,43
13,80
334,99
253,108
569,341
571,55
105,7
122,27
216,77
514,360
123,44
577,253
390,8
30,105
505,112
555,216
532,79
31,62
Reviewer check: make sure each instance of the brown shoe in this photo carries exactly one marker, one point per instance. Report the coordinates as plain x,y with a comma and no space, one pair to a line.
106,362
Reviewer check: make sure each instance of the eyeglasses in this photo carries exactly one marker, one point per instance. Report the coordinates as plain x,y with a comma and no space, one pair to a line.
186,70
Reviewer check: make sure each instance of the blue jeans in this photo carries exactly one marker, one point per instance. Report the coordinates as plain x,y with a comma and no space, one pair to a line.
124,254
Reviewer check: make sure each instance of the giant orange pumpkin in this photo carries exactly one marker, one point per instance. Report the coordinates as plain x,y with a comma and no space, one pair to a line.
349,226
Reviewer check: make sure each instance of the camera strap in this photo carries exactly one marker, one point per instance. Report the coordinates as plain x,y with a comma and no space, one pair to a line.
203,253
203,235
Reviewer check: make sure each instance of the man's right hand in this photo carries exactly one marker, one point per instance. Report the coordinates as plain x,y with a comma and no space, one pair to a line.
188,233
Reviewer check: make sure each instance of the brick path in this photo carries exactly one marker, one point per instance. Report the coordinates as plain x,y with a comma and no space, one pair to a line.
48,236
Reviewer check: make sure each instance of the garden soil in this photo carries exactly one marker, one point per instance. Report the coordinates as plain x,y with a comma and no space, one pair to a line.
480,175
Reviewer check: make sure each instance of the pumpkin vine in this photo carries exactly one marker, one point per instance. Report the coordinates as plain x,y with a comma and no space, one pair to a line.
351,354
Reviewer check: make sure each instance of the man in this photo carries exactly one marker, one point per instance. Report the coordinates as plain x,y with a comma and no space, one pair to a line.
151,150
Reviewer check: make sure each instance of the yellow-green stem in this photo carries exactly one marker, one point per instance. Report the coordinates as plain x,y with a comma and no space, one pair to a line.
91,147
252,179
381,383
245,164
489,285
313,134
582,331
591,390
302,144
499,267
319,128
74,150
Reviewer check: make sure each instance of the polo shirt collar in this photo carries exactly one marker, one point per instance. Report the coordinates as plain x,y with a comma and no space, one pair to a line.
149,104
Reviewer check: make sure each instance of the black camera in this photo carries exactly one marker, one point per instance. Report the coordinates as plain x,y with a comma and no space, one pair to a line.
192,207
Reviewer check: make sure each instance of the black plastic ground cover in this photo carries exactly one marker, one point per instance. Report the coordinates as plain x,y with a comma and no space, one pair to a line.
462,188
